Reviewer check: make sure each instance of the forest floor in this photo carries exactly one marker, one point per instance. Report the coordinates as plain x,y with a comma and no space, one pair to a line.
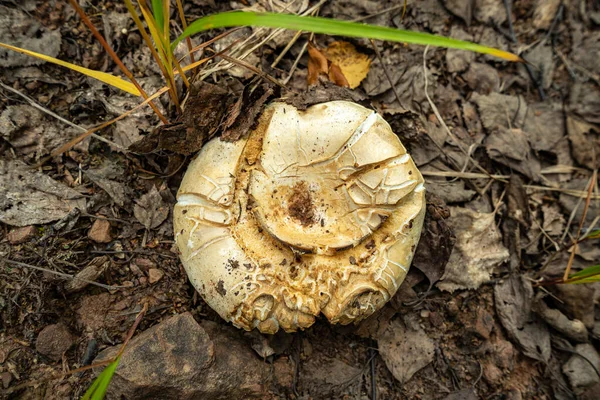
507,150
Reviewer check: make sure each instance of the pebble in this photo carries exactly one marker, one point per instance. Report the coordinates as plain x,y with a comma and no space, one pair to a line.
155,275
53,341
21,235
100,231
6,378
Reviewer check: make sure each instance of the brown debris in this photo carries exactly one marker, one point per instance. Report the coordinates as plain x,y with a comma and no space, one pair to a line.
243,113
201,119
300,204
319,65
100,231
53,341
21,235
155,275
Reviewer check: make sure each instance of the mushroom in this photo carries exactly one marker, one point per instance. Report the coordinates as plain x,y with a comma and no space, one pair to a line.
315,211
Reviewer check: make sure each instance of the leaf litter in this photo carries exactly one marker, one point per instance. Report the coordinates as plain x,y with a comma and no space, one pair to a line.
29,197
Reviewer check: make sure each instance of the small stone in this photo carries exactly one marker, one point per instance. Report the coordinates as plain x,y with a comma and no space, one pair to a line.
53,341
135,269
436,319
484,323
179,358
144,264
492,374
6,378
155,275
452,308
100,231
21,235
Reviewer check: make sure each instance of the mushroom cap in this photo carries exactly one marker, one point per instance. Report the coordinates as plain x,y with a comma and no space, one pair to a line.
315,211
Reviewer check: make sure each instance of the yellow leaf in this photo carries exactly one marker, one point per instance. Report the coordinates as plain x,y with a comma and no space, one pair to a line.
98,75
354,65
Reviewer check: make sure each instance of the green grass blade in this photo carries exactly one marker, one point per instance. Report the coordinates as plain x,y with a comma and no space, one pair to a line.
98,388
586,272
157,11
103,77
591,279
333,27
594,234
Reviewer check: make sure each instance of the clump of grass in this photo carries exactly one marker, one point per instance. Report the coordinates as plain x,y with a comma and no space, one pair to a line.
157,38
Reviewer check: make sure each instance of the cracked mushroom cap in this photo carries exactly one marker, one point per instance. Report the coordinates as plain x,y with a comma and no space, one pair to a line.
315,211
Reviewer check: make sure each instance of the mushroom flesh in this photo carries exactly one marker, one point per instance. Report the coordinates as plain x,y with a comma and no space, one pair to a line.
315,211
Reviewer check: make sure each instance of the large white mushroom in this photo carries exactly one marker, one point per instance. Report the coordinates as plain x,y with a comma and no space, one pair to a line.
315,211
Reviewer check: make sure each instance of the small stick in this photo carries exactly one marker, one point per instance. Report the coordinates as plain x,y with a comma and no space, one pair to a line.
34,104
251,68
62,274
581,222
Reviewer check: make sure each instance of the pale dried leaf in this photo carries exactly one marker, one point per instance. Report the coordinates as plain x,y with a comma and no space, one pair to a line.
21,30
28,197
404,350
514,299
477,252
150,210
105,177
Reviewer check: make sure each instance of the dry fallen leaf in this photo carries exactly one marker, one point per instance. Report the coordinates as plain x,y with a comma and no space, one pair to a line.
150,209
353,64
29,197
514,298
405,351
318,64
585,142
477,252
